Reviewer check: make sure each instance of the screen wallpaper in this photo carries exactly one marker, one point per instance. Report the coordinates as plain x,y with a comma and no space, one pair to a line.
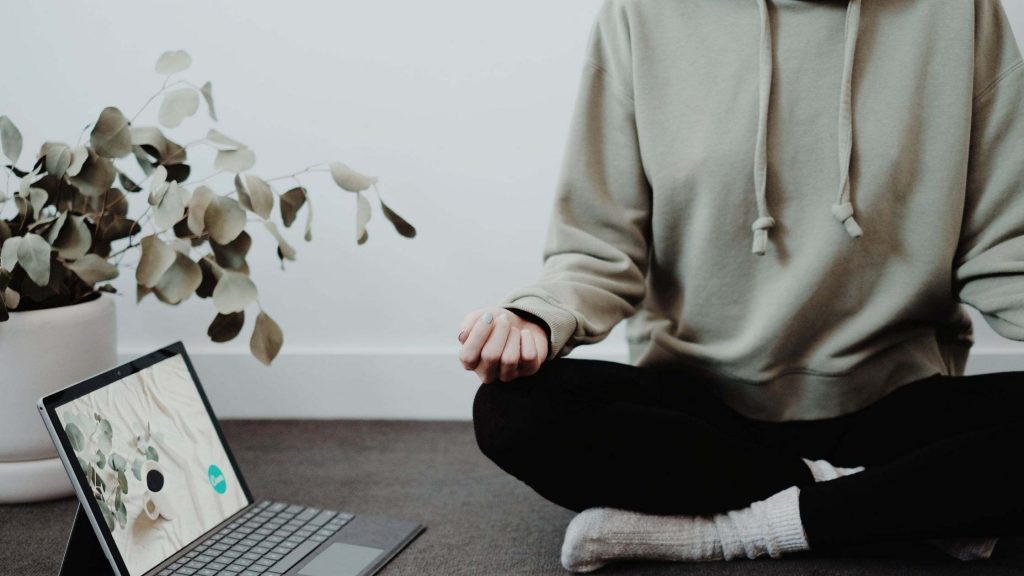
153,459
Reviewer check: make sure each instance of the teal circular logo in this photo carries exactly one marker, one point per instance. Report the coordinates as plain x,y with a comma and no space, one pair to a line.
217,480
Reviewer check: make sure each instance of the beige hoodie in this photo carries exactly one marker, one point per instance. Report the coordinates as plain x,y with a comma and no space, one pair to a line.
791,199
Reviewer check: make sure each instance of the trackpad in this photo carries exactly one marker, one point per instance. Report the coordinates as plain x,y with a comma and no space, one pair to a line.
341,559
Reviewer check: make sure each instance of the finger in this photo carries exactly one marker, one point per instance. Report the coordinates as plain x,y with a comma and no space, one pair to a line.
470,352
541,342
510,357
490,355
467,323
527,348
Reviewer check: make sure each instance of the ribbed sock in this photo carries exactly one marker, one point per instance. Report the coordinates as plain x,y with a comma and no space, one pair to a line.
769,527
965,549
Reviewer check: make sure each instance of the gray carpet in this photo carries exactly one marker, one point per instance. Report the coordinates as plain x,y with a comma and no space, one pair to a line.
480,521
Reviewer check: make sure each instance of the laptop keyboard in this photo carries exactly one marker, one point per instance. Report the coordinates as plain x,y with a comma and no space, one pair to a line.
267,540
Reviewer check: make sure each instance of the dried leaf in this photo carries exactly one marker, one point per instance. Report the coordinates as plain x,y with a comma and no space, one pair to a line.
243,194
362,217
10,139
207,91
291,203
92,269
9,253
401,225
201,198
284,250
74,239
156,258
266,340
173,61
234,160
232,255
37,199
127,183
261,195
79,154
350,180
225,327
179,281
234,292
111,136
58,158
176,106
11,298
97,174
211,273
225,219
218,137
309,220
157,185
34,258
153,142
171,208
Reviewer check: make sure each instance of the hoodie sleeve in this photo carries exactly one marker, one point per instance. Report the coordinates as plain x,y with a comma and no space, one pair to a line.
989,266
596,251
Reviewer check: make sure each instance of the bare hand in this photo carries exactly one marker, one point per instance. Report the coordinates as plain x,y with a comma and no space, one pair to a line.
498,344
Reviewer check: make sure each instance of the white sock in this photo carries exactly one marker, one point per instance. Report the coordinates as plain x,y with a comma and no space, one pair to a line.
965,549
768,527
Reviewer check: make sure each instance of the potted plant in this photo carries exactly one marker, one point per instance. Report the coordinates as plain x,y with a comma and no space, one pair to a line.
67,229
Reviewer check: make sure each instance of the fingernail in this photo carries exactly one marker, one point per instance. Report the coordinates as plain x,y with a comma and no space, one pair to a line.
461,332
488,318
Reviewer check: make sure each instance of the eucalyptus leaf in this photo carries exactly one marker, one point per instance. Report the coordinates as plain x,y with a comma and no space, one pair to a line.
243,195
234,292
291,203
266,339
218,137
34,257
111,135
156,258
118,462
104,435
74,239
122,512
153,142
157,185
350,180
11,298
231,256
173,61
226,326
101,460
10,139
108,516
225,219
207,92
58,158
171,208
261,195
309,220
151,454
362,218
176,106
122,481
75,436
179,281
235,160
137,468
96,176
37,199
201,199
92,268
401,225
9,253
284,249
127,183
79,154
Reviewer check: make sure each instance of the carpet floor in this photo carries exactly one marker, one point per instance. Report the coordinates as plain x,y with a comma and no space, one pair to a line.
479,520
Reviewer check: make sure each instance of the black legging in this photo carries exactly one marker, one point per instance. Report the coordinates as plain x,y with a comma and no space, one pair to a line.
939,452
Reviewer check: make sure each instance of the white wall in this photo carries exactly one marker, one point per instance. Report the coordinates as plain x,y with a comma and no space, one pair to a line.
459,106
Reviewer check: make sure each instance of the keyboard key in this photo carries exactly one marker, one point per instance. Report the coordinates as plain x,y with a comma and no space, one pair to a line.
293,557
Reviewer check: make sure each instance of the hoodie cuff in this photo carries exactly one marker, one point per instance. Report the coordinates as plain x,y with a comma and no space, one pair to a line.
561,324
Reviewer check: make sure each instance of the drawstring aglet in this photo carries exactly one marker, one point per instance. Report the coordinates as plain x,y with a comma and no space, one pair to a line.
844,214
760,228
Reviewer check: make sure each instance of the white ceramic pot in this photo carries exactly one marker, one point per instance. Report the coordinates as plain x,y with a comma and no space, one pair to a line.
42,351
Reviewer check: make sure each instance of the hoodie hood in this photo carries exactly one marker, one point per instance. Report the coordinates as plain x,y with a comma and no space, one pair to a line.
842,210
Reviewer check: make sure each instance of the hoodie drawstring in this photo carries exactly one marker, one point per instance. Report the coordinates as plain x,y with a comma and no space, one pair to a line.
842,210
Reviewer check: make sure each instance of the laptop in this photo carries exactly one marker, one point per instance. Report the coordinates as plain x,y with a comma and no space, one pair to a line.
164,495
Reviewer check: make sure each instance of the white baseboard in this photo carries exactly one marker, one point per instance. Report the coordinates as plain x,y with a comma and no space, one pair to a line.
399,383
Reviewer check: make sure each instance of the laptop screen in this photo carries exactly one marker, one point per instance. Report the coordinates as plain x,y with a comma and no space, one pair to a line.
153,460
